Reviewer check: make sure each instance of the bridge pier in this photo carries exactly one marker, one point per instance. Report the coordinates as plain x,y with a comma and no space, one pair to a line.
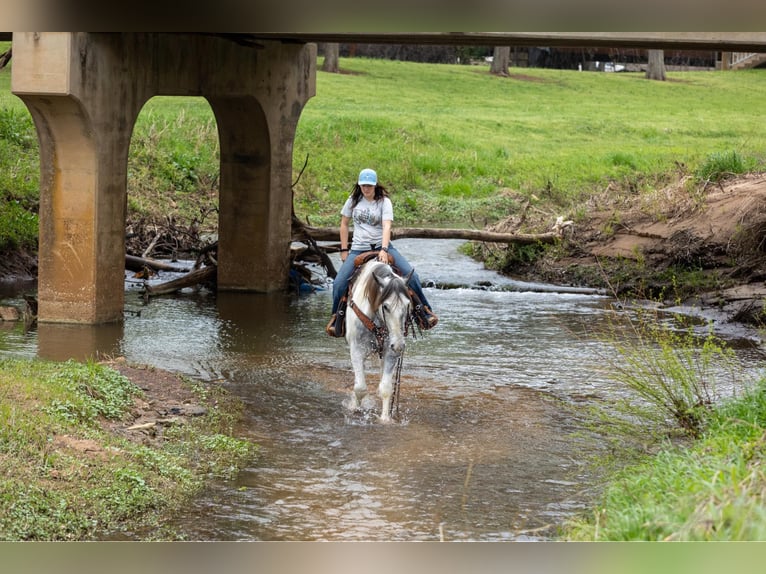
85,91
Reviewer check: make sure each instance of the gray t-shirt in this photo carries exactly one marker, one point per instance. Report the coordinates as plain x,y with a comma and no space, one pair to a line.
368,217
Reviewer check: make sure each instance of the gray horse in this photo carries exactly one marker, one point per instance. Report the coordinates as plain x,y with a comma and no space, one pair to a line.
380,301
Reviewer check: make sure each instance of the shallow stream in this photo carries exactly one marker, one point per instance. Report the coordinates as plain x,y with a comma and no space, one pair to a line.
490,443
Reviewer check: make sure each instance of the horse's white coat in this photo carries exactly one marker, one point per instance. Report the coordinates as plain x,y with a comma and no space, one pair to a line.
392,315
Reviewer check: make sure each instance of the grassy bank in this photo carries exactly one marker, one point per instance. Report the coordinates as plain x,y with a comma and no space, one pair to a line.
711,490
64,475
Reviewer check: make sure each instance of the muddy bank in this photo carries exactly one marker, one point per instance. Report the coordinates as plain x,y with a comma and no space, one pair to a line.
696,248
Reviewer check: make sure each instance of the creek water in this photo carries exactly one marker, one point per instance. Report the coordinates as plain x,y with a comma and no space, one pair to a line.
489,445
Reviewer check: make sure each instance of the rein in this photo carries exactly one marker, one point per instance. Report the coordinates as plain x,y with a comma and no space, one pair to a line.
397,382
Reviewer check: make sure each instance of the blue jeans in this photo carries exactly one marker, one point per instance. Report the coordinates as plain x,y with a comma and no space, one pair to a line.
347,269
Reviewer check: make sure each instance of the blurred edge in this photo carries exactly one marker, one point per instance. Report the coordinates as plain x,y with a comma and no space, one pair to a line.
379,558
243,16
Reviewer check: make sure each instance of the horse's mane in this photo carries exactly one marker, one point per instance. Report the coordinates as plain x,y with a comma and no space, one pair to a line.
372,290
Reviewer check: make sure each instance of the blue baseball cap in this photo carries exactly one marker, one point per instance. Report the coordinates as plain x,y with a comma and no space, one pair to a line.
368,177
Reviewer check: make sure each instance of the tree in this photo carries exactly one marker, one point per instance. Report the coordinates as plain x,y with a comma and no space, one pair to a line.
655,67
5,57
500,61
331,53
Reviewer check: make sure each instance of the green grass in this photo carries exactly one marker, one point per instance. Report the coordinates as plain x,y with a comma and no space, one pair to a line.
450,136
710,490
447,140
52,492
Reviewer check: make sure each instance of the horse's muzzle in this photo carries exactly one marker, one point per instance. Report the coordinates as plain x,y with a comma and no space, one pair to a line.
396,344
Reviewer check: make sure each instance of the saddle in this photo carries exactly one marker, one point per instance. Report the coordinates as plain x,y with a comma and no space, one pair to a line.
363,258
422,315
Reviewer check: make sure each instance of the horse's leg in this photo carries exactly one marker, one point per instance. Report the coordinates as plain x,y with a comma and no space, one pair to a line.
386,387
360,384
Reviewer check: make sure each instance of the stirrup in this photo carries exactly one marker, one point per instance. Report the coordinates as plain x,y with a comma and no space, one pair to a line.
427,319
336,326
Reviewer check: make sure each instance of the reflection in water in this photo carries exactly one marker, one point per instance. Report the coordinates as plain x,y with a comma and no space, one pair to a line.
59,342
485,450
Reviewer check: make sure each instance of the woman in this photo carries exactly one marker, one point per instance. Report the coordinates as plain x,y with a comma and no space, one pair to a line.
372,213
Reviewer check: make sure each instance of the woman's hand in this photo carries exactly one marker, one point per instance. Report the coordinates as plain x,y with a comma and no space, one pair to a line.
382,256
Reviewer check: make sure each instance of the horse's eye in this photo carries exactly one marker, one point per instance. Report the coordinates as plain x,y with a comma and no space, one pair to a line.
386,309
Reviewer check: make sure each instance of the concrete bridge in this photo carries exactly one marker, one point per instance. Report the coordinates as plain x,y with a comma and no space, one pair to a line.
85,91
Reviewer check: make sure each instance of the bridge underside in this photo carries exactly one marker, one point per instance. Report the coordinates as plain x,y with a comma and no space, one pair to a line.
85,91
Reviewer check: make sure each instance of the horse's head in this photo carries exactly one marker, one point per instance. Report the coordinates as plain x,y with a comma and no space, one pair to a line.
390,301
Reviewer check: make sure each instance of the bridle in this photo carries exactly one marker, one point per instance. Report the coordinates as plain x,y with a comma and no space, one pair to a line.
379,332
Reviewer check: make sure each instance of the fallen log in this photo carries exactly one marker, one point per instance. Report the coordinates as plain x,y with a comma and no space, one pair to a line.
333,234
134,263
189,280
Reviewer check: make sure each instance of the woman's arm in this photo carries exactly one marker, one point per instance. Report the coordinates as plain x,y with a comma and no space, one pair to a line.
343,237
386,239
386,233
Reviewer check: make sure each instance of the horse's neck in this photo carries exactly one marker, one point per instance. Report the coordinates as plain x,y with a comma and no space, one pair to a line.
359,290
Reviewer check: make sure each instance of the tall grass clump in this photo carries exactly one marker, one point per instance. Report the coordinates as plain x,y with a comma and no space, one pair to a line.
668,372
711,490
722,165
672,371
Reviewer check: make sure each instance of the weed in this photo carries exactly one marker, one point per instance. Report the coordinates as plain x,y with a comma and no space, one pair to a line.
722,165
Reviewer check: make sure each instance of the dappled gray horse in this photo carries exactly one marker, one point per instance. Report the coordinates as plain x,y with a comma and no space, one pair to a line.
380,302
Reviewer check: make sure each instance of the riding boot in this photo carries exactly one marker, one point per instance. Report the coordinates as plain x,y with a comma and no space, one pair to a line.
337,325
426,319
330,328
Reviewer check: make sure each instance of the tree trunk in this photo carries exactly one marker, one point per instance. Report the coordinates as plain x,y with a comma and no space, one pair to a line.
500,61
331,53
333,233
655,67
134,263
5,57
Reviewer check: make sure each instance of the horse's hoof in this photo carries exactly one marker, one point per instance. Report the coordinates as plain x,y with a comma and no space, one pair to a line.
352,403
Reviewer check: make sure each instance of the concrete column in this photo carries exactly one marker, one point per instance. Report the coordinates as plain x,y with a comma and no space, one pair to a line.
256,131
85,90
83,103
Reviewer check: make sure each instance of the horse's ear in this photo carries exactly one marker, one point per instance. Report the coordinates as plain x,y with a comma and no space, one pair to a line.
382,274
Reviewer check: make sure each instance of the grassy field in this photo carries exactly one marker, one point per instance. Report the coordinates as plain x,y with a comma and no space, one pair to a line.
453,144
449,137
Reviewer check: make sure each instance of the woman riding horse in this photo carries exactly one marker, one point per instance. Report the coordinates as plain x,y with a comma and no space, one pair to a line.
373,214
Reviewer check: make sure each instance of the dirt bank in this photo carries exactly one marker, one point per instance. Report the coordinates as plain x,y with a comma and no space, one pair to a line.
685,244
